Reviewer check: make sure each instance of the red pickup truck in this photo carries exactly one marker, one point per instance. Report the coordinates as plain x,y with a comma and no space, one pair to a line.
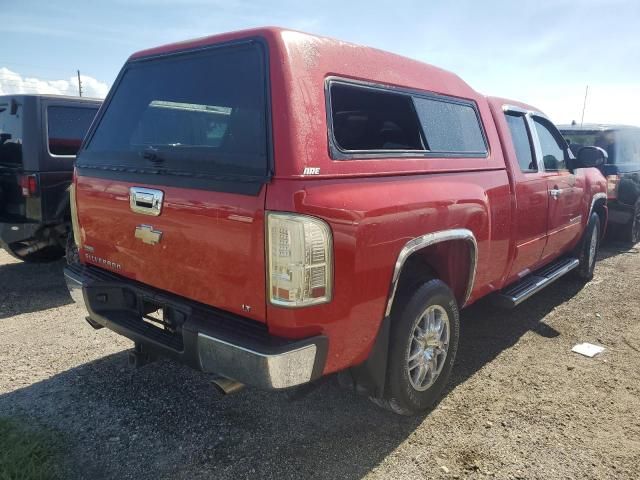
274,207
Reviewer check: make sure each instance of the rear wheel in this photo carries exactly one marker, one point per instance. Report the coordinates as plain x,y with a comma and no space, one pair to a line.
633,233
423,343
588,251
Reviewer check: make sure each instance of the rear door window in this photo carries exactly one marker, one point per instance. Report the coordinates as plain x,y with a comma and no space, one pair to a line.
66,127
201,113
10,133
521,142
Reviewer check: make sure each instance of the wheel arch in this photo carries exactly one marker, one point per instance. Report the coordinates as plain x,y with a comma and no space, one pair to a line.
417,247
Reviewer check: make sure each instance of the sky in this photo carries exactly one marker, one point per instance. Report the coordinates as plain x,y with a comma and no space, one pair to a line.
542,52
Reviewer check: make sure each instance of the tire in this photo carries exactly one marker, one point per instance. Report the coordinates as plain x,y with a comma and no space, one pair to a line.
415,377
72,254
632,234
588,250
46,255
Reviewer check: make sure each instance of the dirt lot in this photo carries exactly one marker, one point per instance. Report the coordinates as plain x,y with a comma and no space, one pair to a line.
520,404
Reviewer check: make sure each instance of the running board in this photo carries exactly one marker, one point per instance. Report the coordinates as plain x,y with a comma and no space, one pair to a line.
517,293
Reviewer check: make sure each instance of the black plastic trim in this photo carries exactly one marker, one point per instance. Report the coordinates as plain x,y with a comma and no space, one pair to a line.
240,185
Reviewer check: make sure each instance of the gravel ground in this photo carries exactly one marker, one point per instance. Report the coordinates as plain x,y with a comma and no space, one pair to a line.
520,404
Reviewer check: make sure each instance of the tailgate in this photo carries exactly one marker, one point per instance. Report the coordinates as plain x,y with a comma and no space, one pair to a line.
193,127
206,246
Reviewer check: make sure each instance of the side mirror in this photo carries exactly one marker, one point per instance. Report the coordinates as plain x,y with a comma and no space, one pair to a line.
590,157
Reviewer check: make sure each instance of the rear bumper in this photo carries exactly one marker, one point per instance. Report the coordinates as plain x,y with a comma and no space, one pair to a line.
204,338
17,232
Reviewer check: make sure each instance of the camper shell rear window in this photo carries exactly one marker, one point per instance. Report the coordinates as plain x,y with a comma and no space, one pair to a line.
199,113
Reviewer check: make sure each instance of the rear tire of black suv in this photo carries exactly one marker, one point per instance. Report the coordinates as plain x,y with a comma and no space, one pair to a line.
632,234
588,249
72,254
423,343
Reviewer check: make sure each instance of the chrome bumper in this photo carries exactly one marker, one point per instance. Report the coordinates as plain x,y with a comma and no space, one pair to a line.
208,340
270,371
74,284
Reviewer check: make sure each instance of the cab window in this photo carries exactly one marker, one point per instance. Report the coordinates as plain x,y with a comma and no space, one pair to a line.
521,142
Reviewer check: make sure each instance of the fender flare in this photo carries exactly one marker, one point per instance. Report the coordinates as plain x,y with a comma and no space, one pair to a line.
428,240
595,199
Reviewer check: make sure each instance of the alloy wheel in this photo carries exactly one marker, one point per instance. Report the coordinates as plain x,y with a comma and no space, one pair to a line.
428,347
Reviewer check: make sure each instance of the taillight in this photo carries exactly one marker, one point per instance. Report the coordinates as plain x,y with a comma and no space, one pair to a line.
29,185
300,259
75,225
612,186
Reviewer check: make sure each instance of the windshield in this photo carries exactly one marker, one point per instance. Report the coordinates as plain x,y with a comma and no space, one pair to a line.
197,112
10,134
622,146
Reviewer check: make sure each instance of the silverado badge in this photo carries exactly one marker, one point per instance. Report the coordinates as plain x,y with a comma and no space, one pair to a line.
148,235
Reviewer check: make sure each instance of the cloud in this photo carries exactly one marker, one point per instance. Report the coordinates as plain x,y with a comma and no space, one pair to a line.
12,82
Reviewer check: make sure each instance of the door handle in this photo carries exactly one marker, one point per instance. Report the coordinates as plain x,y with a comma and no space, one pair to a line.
146,200
555,193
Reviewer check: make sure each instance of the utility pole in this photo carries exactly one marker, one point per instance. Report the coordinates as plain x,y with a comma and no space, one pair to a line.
584,105
79,84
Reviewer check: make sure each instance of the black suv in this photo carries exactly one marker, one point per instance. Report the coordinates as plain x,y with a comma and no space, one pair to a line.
39,138
622,144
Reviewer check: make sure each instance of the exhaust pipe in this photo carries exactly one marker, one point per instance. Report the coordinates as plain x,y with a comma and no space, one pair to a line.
226,386
33,247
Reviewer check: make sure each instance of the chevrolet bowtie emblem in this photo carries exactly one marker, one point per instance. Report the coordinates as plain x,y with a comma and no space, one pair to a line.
147,234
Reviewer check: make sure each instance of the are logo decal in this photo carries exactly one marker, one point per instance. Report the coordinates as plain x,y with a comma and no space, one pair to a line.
311,171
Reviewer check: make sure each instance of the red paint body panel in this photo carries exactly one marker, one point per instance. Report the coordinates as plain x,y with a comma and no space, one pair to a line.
212,247
373,206
371,220
534,215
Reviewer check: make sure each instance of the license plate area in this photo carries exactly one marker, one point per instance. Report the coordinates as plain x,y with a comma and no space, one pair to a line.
152,317
162,316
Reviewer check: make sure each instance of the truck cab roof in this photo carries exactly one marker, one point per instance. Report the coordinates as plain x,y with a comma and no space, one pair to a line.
515,103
